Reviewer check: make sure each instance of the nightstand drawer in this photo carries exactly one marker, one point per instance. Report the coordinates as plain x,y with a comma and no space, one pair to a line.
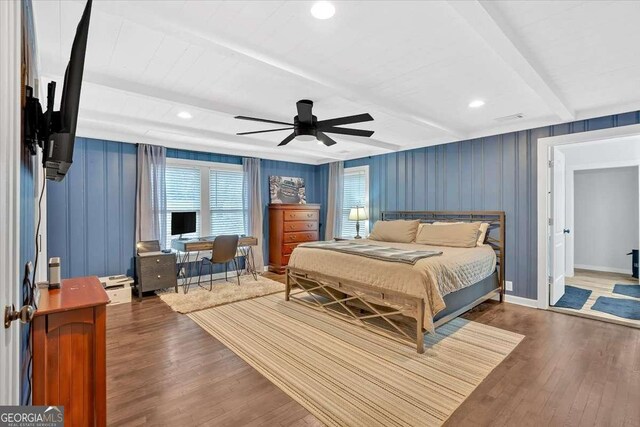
308,236
301,226
156,272
301,216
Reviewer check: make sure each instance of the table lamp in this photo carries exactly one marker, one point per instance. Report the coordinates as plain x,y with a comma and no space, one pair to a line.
356,214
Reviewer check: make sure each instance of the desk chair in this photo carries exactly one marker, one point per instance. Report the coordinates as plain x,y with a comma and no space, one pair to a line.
223,251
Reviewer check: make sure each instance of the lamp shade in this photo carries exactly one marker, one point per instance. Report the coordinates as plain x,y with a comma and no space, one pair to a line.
358,213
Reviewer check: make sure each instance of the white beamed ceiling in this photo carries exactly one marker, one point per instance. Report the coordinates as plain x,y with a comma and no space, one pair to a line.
414,66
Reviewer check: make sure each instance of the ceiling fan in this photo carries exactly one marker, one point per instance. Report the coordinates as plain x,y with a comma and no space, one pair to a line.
306,126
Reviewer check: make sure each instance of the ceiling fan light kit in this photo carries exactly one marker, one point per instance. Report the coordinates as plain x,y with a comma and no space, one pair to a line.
306,126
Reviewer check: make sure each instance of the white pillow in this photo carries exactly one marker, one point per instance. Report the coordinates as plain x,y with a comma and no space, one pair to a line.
482,231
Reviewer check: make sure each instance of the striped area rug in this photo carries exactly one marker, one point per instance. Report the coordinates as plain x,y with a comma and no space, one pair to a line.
346,375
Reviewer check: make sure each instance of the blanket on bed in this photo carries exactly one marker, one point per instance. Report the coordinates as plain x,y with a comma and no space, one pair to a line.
382,253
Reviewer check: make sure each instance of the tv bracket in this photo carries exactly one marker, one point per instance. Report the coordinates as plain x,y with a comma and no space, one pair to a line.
38,125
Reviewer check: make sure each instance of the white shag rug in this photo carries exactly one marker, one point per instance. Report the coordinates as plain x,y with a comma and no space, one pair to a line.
222,293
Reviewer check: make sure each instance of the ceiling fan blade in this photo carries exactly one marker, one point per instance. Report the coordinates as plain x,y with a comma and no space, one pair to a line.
344,131
304,111
325,139
366,117
262,131
287,139
262,120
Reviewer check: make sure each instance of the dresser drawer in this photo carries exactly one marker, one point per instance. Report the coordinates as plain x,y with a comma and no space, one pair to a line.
301,215
288,248
301,226
302,236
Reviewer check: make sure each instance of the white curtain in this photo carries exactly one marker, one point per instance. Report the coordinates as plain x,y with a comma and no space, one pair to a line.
253,199
334,200
151,194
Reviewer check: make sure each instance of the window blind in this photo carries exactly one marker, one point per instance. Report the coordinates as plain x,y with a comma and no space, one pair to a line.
183,195
355,194
227,202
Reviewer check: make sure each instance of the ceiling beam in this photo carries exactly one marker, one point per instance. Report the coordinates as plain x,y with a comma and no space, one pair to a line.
158,94
141,16
485,19
107,131
212,140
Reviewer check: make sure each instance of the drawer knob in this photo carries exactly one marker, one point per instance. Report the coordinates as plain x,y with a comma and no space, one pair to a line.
159,276
309,215
158,260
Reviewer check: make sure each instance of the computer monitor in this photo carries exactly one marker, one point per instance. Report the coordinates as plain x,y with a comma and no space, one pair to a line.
183,223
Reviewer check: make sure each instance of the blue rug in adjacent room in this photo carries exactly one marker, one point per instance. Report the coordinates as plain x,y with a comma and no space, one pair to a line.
627,308
573,298
628,290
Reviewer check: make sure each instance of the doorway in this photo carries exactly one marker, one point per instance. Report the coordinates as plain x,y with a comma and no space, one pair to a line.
602,211
588,221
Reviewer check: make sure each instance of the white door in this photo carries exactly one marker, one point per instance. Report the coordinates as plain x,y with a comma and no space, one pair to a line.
557,228
10,146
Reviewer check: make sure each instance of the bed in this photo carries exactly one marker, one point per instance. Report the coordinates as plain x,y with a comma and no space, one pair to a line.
390,297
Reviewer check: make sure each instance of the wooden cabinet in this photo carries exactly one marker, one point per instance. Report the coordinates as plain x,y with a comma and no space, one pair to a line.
69,351
290,225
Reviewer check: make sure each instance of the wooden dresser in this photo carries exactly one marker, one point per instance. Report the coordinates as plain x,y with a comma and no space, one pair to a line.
69,351
290,225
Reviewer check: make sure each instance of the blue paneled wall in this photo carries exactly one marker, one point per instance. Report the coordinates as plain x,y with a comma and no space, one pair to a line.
492,173
91,213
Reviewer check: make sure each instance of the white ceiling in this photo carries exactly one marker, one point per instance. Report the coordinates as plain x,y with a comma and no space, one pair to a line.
414,66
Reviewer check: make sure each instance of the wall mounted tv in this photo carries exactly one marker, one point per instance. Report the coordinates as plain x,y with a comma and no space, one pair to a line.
55,131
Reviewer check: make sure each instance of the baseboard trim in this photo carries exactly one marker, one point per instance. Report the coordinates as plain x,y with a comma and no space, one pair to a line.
603,269
512,299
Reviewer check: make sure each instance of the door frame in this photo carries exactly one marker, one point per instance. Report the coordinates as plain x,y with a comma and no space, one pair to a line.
543,188
570,194
10,165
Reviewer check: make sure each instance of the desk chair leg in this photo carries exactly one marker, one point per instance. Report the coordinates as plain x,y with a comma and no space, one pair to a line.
235,262
199,273
210,276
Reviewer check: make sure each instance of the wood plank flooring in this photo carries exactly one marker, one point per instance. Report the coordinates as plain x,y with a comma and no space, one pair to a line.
163,369
601,284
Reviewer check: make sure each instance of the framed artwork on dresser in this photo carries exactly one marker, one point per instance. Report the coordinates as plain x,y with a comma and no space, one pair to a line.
287,190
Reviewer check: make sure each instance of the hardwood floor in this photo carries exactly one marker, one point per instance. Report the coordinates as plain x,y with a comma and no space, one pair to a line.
601,284
163,369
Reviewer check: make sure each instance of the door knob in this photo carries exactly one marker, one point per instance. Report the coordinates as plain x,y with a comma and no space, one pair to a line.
566,231
25,315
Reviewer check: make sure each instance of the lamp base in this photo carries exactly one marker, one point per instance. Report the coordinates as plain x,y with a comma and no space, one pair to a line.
358,237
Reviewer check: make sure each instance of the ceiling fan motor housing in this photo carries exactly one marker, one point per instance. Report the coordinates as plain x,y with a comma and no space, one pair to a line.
305,129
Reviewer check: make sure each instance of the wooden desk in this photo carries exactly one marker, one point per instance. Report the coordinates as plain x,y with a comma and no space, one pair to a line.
186,247
204,243
69,351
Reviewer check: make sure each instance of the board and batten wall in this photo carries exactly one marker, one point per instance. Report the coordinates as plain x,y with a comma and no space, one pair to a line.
491,173
91,213
606,218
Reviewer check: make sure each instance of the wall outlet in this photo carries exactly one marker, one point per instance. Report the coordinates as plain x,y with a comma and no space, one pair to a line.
508,285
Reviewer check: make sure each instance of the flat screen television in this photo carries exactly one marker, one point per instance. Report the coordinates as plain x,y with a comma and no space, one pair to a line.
55,131
183,223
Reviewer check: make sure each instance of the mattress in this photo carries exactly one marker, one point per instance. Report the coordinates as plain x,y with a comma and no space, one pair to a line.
430,278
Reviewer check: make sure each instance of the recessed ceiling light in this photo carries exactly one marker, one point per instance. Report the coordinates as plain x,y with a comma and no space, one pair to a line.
184,115
323,10
476,103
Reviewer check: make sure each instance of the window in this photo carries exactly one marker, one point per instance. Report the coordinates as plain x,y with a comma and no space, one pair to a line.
227,202
183,195
213,190
356,193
